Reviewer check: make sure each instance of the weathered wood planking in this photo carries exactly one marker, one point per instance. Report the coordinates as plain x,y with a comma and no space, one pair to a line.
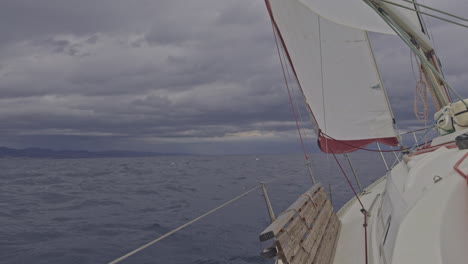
313,208
337,237
301,257
300,228
297,227
313,240
318,198
307,231
272,230
327,245
291,238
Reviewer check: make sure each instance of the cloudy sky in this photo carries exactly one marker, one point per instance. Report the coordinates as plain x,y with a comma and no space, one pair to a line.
170,75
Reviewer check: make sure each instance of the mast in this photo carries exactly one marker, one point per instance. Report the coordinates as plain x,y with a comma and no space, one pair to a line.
414,37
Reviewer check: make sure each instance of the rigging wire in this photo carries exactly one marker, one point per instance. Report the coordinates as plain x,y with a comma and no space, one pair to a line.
408,40
348,180
427,14
426,132
294,100
363,210
436,10
429,30
421,20
295,105
289,92
118,260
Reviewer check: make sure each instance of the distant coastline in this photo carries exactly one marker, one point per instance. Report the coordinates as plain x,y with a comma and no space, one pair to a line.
50,153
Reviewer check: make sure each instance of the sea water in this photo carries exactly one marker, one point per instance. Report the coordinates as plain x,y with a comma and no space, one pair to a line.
95,210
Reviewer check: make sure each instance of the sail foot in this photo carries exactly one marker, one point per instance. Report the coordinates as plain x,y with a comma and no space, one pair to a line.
331,145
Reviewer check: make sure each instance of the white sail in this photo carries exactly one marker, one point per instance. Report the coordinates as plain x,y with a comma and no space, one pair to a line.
352,13
337,73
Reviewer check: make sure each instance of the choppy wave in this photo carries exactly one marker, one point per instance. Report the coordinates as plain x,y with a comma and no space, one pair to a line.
95,210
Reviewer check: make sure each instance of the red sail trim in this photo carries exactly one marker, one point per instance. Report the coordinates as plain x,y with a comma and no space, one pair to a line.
331,145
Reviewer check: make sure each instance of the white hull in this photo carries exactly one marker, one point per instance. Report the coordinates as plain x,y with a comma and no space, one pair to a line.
418,213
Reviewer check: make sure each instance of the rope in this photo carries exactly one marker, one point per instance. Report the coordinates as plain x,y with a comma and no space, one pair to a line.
431,91
425,133
289,92
347,179
408,40
421,96
363,210
296,104
182,226
417,130
365,235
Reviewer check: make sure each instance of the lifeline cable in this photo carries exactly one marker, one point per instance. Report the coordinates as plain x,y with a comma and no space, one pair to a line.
181,227
363,210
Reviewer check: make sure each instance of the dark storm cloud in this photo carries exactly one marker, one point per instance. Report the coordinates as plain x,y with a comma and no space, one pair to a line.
165,74
29,19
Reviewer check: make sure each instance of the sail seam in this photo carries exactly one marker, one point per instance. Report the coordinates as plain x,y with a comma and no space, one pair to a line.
321,76
379,76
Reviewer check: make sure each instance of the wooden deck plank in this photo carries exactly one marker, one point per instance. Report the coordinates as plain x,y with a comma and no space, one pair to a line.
313,240
327,244
272,230
312,208
296,227
309,213
307,231
295,233
301,258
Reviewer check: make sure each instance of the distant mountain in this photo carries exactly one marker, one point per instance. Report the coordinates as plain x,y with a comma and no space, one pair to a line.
49,153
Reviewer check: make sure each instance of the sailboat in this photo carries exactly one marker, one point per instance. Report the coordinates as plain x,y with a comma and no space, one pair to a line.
416,213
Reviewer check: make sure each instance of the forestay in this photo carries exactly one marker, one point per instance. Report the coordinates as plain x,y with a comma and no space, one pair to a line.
337,73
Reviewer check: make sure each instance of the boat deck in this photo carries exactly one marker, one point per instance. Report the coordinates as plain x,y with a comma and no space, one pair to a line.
351,243
424,210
